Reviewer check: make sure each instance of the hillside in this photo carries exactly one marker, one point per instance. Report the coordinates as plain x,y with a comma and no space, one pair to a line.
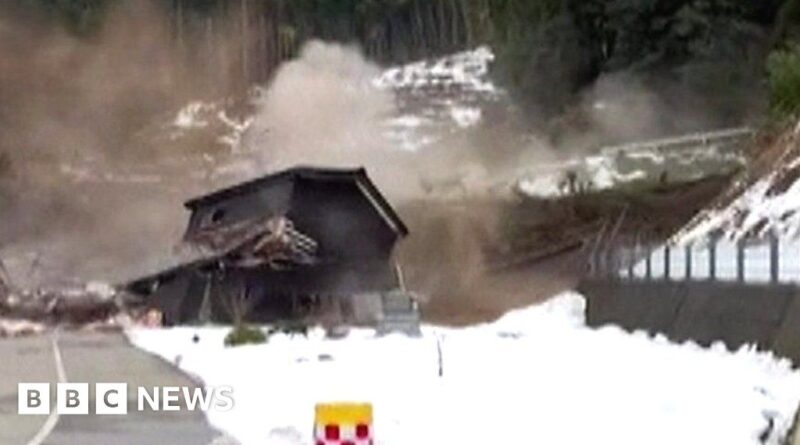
762,200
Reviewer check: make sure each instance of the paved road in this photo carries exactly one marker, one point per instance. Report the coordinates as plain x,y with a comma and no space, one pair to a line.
93,357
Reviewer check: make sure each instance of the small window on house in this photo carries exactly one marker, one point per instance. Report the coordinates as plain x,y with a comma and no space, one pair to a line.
217,216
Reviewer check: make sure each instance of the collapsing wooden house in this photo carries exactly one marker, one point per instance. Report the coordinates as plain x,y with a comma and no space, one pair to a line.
302,243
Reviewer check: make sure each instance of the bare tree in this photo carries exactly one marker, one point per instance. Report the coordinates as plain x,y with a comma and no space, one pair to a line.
5,279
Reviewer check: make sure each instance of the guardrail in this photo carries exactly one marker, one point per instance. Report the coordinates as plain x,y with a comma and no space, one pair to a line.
731,136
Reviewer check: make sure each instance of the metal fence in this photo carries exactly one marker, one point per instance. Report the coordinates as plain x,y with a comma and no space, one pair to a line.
726,137
771,260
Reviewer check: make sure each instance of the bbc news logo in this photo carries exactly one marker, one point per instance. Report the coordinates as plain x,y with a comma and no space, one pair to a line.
112,398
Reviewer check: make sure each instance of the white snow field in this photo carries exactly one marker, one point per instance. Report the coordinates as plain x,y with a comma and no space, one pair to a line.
536,376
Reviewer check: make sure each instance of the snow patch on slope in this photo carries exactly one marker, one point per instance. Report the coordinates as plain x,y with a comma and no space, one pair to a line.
466,70
443,95
432,98
771,204
199,115
537,375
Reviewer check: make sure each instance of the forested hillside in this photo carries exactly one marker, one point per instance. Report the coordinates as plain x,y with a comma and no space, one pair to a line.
547,49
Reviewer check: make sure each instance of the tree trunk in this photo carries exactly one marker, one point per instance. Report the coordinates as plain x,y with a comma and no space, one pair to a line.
5,279
245,42
420,25
465,17
442,26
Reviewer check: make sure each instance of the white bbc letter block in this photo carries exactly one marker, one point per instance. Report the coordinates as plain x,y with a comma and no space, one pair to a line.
72,398
33,398
170,399
111,398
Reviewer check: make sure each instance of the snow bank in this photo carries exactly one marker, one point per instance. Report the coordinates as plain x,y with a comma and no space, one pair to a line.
756,212
770,204
535,376
20,328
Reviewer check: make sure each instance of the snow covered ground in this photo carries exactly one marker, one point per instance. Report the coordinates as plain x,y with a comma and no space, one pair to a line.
537,375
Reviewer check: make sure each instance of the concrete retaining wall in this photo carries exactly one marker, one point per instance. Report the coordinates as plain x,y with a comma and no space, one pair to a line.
735,313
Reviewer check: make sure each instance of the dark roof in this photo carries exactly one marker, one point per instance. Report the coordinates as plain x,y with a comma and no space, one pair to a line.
357,175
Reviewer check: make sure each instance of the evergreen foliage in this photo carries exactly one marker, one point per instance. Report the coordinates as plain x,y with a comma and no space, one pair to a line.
245,335
783,68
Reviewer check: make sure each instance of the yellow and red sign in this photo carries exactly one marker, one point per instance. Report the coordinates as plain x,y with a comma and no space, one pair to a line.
343,424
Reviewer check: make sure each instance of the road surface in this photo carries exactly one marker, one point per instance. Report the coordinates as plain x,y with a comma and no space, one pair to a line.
92,358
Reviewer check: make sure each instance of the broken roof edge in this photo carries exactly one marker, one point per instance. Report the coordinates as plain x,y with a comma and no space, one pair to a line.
359,174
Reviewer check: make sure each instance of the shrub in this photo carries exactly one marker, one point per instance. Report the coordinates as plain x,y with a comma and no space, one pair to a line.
245,335
783,69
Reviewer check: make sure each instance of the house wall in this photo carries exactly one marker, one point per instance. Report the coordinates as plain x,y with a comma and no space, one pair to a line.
169,296
273,294
342,220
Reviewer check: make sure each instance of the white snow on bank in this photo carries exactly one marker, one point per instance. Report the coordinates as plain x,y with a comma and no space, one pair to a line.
756,212
770,205
537,375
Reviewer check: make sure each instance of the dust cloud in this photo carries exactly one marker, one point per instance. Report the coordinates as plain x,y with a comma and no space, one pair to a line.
74,114
323,109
